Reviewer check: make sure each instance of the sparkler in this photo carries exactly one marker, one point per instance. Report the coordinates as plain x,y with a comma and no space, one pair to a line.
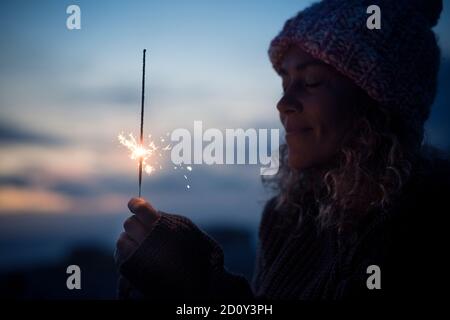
147,155
138,151
141,138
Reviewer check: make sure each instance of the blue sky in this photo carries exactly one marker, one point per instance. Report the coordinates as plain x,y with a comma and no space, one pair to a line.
65,95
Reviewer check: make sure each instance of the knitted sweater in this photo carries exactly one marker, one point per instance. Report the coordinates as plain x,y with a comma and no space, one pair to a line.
179,261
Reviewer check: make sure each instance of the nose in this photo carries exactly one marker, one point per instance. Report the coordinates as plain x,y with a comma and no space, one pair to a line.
288,104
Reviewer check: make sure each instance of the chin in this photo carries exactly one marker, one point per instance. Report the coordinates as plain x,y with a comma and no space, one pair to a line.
298,162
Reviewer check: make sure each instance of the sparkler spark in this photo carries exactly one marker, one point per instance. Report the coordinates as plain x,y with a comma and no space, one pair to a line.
138,152
150,154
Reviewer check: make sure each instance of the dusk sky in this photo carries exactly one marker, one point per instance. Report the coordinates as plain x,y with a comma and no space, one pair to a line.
65,95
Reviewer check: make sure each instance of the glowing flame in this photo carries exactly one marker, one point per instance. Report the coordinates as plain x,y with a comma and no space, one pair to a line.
149,155
138,151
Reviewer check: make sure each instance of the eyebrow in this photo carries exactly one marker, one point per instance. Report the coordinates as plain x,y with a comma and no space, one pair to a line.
304,65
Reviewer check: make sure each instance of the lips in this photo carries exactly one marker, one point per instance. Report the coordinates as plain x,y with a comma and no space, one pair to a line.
294,127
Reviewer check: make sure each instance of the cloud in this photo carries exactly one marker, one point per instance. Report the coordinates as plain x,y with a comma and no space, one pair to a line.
14,181
32,200
109,194
10,134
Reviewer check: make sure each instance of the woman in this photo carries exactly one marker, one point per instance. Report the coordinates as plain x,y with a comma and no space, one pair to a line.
359,197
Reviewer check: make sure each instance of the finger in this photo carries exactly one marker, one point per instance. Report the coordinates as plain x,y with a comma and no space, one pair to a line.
125,247
135,229
144,211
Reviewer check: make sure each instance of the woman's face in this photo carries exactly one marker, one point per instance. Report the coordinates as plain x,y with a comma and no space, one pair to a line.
315,108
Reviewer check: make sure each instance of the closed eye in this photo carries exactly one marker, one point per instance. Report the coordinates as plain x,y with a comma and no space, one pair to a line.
313,84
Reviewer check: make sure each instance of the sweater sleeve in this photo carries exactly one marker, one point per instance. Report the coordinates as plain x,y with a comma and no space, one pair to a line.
177,260
268,219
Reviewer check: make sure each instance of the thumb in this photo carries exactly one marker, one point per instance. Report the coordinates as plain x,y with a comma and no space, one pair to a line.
144,211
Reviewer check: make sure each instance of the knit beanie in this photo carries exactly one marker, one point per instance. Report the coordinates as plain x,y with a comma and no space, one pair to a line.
396,65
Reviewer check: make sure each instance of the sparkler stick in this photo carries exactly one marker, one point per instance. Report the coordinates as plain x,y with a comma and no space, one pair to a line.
141,137
147,155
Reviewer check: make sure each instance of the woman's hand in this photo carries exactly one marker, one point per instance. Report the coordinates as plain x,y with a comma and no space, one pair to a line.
166,256
137,227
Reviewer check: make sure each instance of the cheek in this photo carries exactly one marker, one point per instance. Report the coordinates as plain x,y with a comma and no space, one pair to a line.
329,123
334,108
